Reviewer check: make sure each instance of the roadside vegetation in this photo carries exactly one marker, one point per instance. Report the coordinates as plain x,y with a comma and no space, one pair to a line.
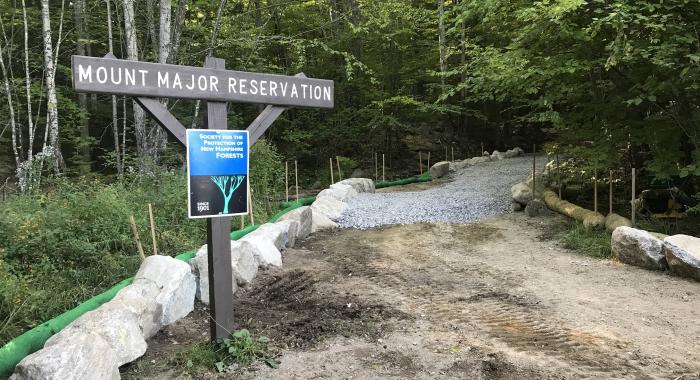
586,241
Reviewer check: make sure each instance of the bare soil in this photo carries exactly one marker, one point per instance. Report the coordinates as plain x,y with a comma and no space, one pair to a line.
500,299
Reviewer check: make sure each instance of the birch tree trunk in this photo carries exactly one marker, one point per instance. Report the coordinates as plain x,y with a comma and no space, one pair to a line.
10,106
115,119
50,70
132,54
27,81
157,135
84,148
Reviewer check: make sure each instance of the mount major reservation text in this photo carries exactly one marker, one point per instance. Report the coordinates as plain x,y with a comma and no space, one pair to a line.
122,77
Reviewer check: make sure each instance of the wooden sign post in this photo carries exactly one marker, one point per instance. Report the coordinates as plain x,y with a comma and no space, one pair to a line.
149,81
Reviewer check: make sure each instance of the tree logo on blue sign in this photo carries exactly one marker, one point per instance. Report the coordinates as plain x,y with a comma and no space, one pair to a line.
217,166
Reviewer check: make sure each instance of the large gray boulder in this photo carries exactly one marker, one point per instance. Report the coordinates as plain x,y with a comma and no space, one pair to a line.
328,206
321,222
459,165
200,266
521,193
272,232
266,244
439,169
361,185
339,191
302,215
638,248
479,160
140,298
117,326
290,228
683,255
497,156
86,357
177,286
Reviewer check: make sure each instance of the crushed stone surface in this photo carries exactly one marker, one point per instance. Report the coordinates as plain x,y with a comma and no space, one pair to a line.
475,192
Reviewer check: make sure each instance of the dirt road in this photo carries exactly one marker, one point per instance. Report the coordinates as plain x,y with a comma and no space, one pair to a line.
497,299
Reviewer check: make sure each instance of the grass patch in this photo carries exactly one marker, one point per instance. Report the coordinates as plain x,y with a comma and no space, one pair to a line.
587,242
226,356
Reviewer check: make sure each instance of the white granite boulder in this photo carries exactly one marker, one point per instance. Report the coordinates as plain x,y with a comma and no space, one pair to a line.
290,227
176,283
85,357
302,215
638,248
328,206
140,298
267,242
521,193
321,222
339,191
497,156
361,185
440,169
117,326
683,255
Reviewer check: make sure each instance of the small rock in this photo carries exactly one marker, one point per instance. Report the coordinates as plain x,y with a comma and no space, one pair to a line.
521,193
516,207
536,208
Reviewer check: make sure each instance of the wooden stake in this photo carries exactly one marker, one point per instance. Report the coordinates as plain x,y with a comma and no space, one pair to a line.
453,154
331,161
420,162
610,195
482,150
634,191
376,167
558,174
383,177
595,190
137,238
340,175
296,179
428,167
534,170
153,229
242,221
286,180
447,158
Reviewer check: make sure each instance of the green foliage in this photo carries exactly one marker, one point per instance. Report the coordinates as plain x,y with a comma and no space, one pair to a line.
73,240
227,355
585,241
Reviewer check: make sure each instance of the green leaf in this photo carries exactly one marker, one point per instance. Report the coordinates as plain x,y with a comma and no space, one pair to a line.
272,363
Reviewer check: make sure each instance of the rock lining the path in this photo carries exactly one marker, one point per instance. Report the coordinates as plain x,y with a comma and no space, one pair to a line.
683,255
638,247
440,169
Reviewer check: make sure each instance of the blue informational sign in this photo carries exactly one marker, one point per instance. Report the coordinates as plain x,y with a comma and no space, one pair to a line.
217,172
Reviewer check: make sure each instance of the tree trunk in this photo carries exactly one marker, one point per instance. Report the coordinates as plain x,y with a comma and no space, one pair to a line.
52,103
210,52
10,106
441,38
132,53
27,81
258,15
177,31
115,119
78,12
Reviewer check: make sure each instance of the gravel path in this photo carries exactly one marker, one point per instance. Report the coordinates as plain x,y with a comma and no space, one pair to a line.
476,192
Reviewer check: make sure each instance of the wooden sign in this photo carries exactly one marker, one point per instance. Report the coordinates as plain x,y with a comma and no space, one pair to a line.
133,78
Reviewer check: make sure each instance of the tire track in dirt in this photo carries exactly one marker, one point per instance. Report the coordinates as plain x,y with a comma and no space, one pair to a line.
454,290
